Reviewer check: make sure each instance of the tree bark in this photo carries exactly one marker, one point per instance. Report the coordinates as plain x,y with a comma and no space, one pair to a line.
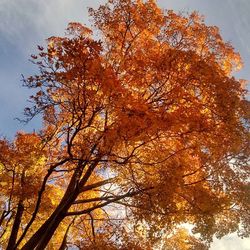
43,231
44,240
42,236
16,225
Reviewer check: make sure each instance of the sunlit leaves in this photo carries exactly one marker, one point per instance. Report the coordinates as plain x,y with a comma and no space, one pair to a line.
143,131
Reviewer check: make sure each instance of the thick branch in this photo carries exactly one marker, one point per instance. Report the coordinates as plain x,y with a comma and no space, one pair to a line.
95,185
117,198
39,199
93,200
16,225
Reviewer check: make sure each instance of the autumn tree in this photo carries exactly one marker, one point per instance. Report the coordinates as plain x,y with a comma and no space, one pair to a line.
143,131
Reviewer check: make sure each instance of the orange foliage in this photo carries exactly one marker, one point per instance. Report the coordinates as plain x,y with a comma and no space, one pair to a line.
143,131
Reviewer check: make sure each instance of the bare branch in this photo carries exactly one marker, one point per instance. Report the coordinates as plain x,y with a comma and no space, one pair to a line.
117,198
97,184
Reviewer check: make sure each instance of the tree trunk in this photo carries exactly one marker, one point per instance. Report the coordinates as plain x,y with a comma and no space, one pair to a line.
42,236
44,240
16,225
43,231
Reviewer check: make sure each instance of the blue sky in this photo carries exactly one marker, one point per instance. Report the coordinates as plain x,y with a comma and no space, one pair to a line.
26,23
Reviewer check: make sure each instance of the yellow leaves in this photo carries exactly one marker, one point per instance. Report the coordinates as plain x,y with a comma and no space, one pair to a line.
3,184
51,43
181,239
23,164
54,194
1,167
152,104
78,29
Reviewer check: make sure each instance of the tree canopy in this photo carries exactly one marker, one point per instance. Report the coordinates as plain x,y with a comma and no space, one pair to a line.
144,131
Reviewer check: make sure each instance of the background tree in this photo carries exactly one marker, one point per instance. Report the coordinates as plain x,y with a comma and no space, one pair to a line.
143,131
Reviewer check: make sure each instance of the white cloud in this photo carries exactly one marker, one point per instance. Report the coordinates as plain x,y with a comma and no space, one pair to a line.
29,22
231,242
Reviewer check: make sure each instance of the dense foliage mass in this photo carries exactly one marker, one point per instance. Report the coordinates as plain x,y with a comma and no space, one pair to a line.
143,132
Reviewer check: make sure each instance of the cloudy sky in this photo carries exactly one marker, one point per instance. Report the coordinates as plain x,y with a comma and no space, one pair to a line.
26,23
